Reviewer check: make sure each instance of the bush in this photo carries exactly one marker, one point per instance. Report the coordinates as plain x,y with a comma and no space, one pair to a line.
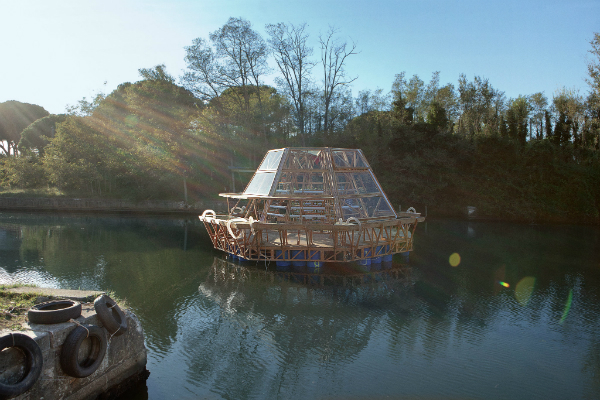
24,172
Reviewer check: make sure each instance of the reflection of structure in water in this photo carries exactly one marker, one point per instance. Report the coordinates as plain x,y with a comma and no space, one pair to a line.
226,276
271,327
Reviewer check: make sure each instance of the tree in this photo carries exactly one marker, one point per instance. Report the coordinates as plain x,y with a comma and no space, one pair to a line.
568,105
404,101
375,100
14,118
233,123
158,73
333,57
539,103
25,171
594,67
235,58
548,125
76,158
517,118
418,98
292,55
437,116
341,112
561,134
137,143
202,77
592,127
38,134
480,106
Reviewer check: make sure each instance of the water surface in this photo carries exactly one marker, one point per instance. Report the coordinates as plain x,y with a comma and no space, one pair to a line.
517,318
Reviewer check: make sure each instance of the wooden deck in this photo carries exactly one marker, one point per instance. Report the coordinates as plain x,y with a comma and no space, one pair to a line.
341,242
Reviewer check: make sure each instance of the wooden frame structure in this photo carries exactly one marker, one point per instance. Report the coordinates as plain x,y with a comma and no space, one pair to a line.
312,205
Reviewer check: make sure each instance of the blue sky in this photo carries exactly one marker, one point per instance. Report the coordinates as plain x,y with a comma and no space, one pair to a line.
54,53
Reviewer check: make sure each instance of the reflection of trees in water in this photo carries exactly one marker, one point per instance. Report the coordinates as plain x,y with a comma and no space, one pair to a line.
250,330
553,292
276,327
141,259
10,241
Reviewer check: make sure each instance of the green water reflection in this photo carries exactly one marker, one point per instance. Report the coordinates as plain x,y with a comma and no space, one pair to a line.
516,318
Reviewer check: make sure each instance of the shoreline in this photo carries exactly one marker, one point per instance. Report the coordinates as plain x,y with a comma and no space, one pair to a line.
181,208
76,205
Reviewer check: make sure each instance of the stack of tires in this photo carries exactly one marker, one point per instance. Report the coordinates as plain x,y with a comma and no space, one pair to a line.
111,317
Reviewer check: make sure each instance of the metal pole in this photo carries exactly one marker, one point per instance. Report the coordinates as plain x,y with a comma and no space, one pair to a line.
185,190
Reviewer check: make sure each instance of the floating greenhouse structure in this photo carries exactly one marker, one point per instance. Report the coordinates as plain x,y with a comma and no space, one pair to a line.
307,206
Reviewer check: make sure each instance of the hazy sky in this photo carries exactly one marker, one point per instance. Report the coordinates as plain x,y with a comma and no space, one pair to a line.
54,53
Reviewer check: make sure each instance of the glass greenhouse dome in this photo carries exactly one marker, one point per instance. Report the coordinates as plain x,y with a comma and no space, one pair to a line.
312,205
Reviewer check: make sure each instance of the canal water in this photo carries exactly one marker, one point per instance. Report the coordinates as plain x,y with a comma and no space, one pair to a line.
480,311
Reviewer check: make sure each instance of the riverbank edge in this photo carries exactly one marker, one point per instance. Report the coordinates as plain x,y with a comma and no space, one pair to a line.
120,370
113,206
181,208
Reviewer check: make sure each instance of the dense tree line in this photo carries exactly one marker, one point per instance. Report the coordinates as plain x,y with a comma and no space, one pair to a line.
441,145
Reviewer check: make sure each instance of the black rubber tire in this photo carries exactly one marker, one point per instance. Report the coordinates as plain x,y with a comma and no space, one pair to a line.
54,312
33,358
70,349
111,316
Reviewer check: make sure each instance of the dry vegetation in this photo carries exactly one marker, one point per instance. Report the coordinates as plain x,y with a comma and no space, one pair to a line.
13,308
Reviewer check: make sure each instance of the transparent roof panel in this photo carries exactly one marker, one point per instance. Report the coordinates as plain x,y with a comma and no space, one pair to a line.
303,183
348,159
306,159
312,174
349,183
271,160
366,207
260,184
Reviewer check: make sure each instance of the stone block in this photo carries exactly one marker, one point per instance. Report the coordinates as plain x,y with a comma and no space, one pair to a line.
125,357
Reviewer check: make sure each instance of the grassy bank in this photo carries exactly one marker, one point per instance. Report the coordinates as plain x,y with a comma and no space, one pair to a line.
14,307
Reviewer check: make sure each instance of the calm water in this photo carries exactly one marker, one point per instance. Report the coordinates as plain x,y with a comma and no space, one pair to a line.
425,330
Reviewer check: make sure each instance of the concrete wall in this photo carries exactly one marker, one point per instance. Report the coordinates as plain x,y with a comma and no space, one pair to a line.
125,359
104,205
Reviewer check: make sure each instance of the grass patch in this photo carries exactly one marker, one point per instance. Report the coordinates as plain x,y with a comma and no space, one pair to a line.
14,307
15,285
122,303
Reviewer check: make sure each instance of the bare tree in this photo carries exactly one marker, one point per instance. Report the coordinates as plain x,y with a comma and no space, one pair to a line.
244,56
333,56
202,77
235,57
292,54
371,100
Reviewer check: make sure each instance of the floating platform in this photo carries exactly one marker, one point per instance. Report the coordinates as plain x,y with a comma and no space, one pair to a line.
307,206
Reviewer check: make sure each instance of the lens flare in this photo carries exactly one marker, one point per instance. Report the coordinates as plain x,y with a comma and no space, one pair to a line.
567,306
524,290
454,259
504,284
